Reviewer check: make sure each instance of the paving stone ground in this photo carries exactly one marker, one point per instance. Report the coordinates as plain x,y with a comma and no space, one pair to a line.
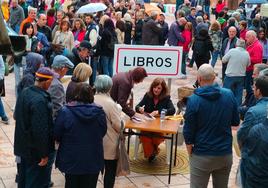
134,180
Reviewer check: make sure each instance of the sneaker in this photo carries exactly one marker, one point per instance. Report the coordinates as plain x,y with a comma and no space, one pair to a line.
183,76
5,120
51,184
190,66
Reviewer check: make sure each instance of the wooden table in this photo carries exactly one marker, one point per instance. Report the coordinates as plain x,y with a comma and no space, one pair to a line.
168,128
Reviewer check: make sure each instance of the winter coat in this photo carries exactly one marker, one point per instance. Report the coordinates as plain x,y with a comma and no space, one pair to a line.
202,47
210,134
79,129
34,125
113,118
121,89
151,32
138,32
128,26
174,34
216,39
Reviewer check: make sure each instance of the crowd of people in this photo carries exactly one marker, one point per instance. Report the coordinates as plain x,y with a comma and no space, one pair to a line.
83,123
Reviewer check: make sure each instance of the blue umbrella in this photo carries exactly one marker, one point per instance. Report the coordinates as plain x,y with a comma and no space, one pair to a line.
256,1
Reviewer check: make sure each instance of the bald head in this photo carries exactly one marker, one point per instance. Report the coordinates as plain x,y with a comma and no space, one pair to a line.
232,32
251,36
42,20
205,75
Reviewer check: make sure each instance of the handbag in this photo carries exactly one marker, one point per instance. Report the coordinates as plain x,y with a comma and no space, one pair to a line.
123,167
2,88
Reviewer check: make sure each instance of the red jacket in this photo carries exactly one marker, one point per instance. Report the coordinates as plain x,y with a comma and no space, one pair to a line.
219,7
255,51
243,34
80,36
187,35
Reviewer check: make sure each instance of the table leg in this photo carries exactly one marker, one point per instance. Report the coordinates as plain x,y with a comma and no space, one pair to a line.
128,140
170,163
176,145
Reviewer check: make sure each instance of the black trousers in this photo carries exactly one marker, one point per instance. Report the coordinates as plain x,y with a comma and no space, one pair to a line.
81,181
110,172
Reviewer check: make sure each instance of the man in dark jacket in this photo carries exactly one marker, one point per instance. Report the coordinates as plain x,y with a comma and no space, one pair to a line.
164,27
207,130
34,131
151,31
79,55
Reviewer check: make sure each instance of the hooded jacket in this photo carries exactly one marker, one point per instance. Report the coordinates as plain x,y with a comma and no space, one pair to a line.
210,113
80,128
33,62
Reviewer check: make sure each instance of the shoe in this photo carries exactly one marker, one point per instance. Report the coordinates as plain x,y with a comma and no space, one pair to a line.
51,184
152,158
190,66
183,76
5,120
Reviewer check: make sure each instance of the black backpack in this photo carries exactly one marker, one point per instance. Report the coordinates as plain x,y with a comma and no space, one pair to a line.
200,47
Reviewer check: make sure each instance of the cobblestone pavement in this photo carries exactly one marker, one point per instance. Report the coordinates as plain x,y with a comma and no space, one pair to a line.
7,159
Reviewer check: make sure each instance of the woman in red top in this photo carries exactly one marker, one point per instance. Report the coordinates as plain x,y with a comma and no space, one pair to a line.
79,31
220,5
243,29
187,34
50,17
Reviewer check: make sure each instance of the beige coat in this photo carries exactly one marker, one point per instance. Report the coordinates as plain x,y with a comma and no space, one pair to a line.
120,36
64,38
113,119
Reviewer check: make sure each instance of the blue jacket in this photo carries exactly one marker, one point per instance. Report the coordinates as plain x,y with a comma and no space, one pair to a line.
254,163
254,115
210,113
80,129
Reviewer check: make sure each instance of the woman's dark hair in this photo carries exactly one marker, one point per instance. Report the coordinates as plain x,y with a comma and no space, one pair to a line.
261,83
51,12
84,93
109,24
138,74
120,25
208,17
155,83
255,22
25,27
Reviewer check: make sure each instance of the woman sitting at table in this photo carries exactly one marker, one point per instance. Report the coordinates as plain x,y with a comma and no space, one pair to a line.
156,99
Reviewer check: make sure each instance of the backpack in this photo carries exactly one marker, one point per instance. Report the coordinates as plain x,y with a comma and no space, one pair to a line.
200,47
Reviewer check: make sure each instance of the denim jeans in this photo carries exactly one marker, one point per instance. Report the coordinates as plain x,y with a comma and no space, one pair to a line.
183,63
107,65
19,68
249,82
214,58
236,84
2,110
32,175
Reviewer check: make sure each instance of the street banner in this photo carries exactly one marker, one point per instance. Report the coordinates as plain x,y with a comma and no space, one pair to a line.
157,60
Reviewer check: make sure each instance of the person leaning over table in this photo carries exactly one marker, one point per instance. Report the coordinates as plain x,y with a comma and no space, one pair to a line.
122,84
156,99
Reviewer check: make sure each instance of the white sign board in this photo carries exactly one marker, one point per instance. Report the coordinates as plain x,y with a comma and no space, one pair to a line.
264,10
157,60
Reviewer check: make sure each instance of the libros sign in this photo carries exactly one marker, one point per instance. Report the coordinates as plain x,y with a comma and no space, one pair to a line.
157,60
